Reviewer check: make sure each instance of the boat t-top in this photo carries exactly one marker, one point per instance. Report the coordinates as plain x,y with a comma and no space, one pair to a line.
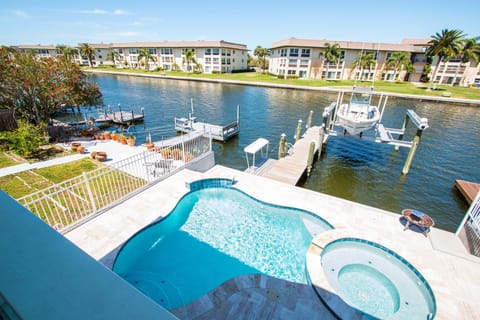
359,114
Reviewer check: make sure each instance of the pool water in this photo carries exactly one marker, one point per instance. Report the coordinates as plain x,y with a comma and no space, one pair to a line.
376,280
213,235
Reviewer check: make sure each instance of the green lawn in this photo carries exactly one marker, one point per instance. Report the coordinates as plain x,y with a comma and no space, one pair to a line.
7,160
385,86
27,182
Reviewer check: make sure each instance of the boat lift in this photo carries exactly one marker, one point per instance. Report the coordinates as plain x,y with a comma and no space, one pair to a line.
391,136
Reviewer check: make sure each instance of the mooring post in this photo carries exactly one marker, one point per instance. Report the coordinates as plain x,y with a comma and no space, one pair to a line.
281,146
404,127
411,153
310,119
321,138
298,131
311,154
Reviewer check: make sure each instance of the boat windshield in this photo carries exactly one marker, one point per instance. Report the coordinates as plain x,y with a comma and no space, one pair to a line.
361,98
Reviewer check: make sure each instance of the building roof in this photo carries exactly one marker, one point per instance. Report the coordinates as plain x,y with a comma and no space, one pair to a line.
313,43
98,45
180,44
34,47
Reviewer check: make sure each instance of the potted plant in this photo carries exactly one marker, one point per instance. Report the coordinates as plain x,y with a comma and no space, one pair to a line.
81,149
131,140
123,139
149,144
107,135
75,145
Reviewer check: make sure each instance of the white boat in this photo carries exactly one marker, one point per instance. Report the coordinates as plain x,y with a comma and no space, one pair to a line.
358,115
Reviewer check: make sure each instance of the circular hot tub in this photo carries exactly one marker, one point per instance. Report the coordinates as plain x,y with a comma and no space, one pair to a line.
375,280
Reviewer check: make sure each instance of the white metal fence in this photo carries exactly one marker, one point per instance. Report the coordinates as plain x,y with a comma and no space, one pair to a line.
66,203
471,224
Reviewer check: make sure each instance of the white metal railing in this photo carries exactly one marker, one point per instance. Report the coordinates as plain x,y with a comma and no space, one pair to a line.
65,204
471,224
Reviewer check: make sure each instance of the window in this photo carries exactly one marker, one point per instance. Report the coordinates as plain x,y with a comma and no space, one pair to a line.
208,60
292,62
120,51
293,52
223,52
152,50
228,61
216,51
292,71
133,51
304,63
99,57
185,49
98,50
342,54
166,51
223,61
305,52
283,53
216,60
208,51
229,53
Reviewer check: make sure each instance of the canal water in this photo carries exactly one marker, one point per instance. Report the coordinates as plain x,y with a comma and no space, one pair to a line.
351,168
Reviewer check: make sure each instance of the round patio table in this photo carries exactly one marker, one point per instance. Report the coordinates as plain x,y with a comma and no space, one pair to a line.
420,219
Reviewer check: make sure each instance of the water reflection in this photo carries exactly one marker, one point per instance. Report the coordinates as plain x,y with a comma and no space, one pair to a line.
351,168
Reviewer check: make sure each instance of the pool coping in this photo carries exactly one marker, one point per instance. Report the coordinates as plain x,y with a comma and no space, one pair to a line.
454,280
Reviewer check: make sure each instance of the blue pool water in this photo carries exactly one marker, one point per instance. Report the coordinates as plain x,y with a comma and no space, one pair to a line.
212,235
376,280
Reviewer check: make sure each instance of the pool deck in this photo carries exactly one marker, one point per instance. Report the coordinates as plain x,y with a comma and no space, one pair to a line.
453,274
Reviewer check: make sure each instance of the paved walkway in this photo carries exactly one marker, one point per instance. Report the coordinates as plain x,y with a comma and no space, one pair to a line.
115,152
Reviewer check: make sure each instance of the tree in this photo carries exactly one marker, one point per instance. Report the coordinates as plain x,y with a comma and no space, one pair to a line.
364,61
68,52
470,52
35,89
445,45
113,56
189,57
87,51
399,60
331,53
261,54
145,56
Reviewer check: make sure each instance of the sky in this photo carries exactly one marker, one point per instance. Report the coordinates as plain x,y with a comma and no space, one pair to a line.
246,22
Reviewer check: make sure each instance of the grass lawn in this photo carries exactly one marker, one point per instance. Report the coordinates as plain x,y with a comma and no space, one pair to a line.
385,86
7,160
27,182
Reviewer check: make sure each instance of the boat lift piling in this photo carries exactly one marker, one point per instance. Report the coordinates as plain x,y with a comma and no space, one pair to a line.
298,131
421,124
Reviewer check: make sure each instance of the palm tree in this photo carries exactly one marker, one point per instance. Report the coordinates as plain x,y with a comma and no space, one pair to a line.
470,52
113,56
445,45
146,56
66,51
364,61
398,61
87,51
331,53
188,58
261,53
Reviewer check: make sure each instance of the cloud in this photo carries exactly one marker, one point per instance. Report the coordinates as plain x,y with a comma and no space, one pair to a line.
115,12
20,13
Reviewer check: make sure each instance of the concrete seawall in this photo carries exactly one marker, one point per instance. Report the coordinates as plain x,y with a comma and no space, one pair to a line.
472,102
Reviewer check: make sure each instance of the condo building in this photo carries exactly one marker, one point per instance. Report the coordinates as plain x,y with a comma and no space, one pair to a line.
305,59
203,56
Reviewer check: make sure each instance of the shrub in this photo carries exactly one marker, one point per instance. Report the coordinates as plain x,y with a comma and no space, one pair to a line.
25,140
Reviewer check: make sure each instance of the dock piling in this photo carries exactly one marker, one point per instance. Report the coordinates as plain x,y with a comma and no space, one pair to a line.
311,154
310,119
298,131
282,145
411,153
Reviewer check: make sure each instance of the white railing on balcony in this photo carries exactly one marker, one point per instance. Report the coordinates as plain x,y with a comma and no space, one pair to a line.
64,205
471,226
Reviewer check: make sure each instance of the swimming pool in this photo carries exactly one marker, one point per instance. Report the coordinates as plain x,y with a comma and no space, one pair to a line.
376,280
215,233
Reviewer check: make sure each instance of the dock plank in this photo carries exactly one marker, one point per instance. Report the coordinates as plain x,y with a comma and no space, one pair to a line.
291,168
468,189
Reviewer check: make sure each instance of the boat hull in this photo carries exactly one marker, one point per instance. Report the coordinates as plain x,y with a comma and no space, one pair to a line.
354,121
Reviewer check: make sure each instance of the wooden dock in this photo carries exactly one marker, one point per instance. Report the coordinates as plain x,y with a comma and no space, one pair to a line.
292,167
468,189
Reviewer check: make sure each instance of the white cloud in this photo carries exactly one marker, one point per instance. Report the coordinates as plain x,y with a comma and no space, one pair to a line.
21,14
98,11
